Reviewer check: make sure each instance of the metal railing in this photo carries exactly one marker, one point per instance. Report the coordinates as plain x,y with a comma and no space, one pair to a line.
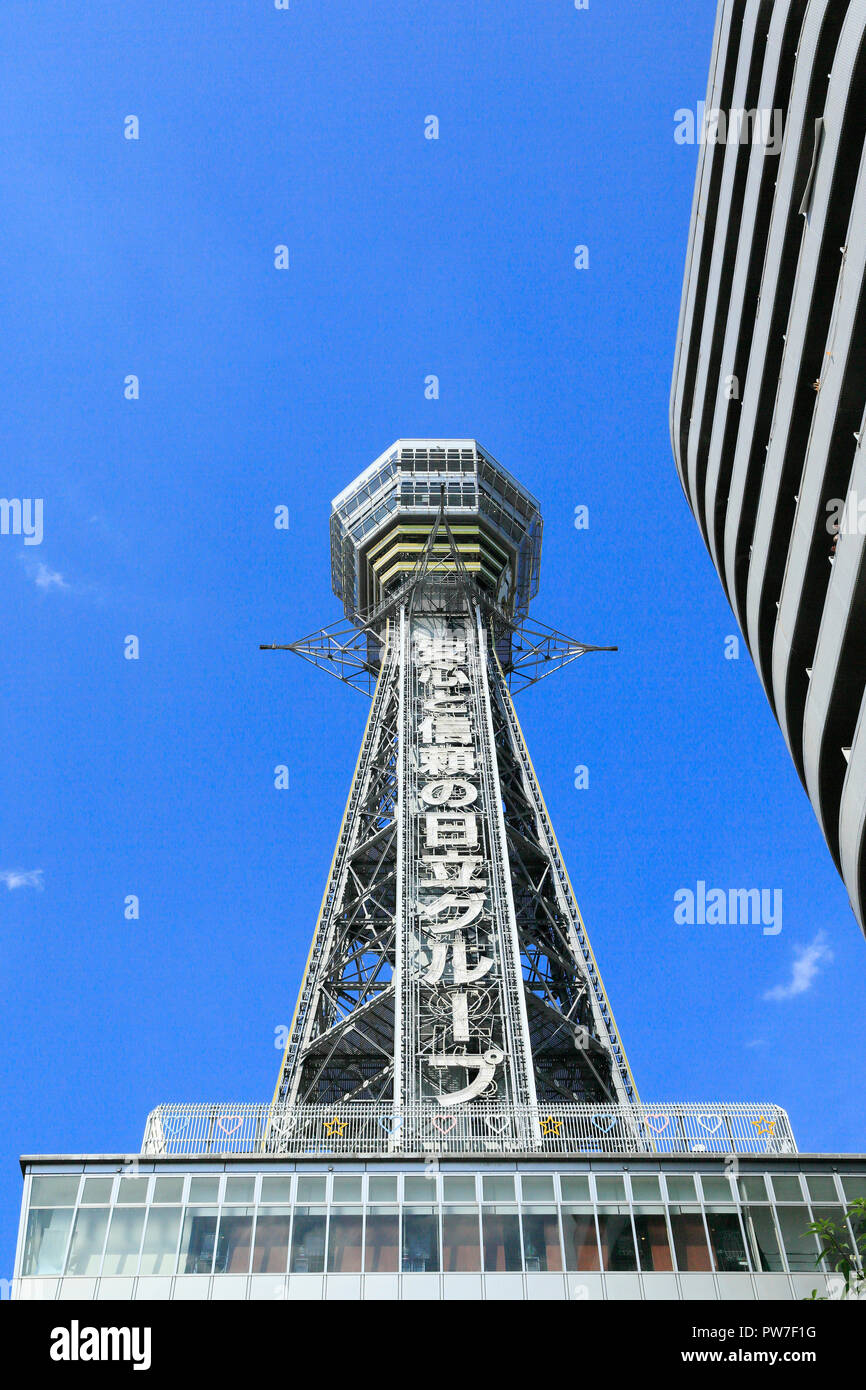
371,1128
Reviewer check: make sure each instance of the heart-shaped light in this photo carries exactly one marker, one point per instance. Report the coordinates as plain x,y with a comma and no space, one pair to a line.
390,1123
657,1122
604,1122
704,1122
229,1124
444,1123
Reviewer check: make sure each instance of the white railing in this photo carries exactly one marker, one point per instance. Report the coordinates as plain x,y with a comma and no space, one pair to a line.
362,1128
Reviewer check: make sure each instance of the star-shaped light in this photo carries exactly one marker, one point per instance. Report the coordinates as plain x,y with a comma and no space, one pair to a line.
763,1126
334,1126
551,1127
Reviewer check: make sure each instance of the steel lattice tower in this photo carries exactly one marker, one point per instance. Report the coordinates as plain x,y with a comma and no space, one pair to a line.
450,966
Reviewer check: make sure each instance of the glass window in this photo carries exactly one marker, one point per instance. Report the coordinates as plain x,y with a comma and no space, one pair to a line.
420,1241
617,1241
800,1247
132,1192
653,1247
204,1189
347,1189
537,1187
457,1189
854,1188
690,1240
787,1188
88,1238
344,1241
541,1249
681,1187
575,1188
753,1188
168,1190
54,1191
501,1239
382,1241
461,1242
822,1188
276,1189
124,1241
234,1241
198,1240
717,1189
308,1240
160,1240
581,1245
762,1239
240,1189
311,1189
45,1241
498,1189
646,1188
97,1191
271,1250
610,1189
726,1240
420,1189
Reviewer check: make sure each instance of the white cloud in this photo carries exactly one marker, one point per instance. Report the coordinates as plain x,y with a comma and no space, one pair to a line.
45,578
21,878
808,961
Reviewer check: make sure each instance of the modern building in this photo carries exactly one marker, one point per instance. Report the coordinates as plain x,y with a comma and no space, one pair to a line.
455,1115
769,385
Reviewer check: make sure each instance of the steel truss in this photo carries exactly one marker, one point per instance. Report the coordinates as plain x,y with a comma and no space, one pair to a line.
369,1024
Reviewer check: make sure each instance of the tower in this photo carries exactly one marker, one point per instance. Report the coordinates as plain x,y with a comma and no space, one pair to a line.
450,969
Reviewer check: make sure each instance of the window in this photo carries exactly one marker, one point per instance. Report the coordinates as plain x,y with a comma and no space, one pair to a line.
311,1189
420,1240
762,1238
278,1190
308,1240
581,1245
717,1189
681,1187
822,1188
610,1189
124,1241
787,1188
537,1187
204,1189
271,1249
541,1250
646,1188
382,1189
45,1241
234,1241
617,1241
459,1189
344,1241
461,1243
498,1189
240,1189
420,1189
133,1192
168,1190
198,1240
726,1240
54,1191
88,1238
753,1188
347,1189
653,1247
501,1239
160,1240
800,1248
575,1188
97,1191
854,1187
690,1241
382,1240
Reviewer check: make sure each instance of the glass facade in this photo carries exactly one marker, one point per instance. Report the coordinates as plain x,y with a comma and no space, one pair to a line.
94,1225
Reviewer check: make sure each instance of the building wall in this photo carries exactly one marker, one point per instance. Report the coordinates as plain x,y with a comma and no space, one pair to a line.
102,1228
769,387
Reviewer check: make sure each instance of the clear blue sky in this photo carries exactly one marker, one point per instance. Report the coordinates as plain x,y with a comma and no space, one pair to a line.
259,387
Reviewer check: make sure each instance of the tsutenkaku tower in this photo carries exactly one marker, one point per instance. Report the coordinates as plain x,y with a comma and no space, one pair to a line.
450,968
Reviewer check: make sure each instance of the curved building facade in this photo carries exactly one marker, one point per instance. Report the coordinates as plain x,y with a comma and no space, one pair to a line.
769,385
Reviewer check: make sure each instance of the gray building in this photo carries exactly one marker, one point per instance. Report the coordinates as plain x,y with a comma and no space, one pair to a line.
769,385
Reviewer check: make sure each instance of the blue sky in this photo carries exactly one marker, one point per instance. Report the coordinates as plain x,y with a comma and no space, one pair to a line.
408,257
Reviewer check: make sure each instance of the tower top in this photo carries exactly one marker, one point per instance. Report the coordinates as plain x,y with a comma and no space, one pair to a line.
381,523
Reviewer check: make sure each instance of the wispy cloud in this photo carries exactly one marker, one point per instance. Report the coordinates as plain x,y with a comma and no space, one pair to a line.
45,578
808,961
21,878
